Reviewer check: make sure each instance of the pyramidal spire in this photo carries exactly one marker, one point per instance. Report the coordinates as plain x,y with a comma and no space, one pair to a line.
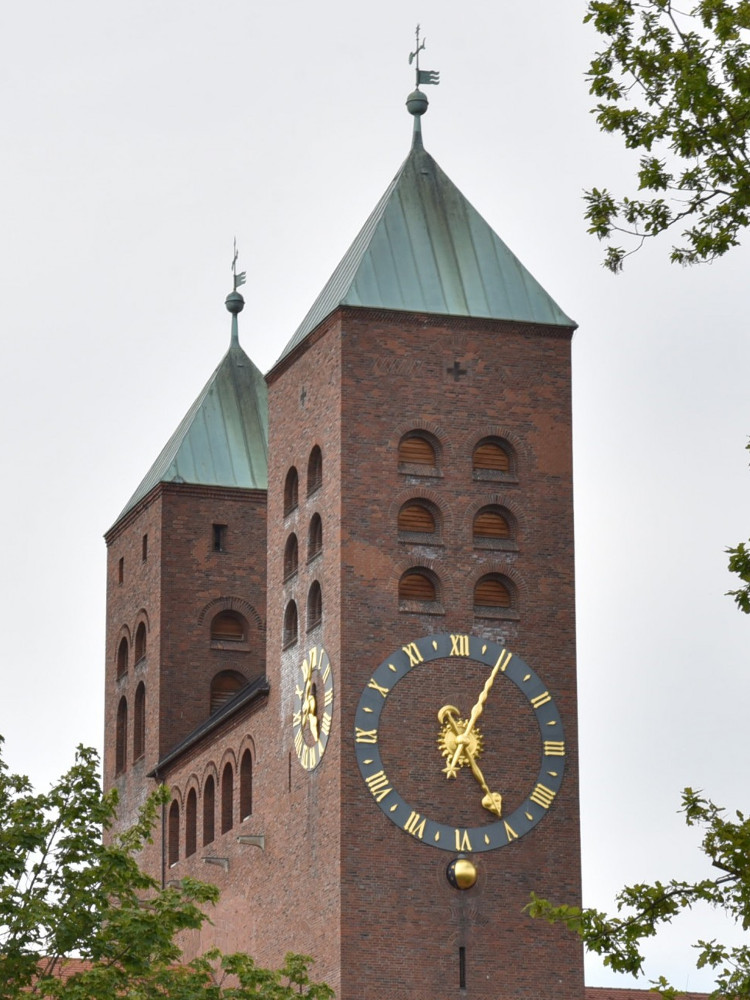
425,249
234,302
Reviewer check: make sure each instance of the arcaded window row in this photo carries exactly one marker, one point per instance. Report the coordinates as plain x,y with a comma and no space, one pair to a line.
314,547
184,842
420,521
420,589
420,453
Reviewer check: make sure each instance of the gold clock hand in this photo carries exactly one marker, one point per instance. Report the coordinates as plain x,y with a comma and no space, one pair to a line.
463,738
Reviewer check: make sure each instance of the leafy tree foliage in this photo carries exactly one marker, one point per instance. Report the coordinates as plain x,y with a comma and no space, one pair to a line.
675,83
65,892
645,908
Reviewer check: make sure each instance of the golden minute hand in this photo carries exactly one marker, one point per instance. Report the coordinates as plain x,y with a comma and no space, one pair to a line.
476,711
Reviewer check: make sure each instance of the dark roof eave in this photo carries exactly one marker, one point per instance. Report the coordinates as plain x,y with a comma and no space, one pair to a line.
254,691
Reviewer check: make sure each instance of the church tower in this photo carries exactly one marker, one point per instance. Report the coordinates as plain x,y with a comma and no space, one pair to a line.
381,776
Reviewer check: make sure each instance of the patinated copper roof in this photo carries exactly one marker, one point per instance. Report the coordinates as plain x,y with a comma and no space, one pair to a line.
426,249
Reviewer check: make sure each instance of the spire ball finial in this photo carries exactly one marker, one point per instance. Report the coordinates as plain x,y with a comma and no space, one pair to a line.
234,303
416,102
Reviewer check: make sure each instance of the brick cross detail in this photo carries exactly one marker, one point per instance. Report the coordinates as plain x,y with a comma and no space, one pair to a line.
456,371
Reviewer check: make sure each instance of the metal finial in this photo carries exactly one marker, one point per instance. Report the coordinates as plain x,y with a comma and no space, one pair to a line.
234,301
239,279
423,75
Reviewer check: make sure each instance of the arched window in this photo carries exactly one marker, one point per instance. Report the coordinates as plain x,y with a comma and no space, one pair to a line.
121,736
290,624
209,809
140,643
314,605
173,833
314,471
246,785
490,524
224,686
191,822
492,594
291,491
291,556
139,722
417,585
416,517
418,448
315,537
122,657
492,459
227,799
228,626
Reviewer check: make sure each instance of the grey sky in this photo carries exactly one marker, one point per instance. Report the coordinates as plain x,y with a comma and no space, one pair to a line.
139,138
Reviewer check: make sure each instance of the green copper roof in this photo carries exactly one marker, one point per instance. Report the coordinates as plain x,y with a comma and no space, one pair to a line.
223,438
426,249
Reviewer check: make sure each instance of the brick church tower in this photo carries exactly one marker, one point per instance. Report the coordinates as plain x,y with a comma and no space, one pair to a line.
365,706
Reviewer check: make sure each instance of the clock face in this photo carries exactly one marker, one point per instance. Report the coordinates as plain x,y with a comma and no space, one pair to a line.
313,707
460,743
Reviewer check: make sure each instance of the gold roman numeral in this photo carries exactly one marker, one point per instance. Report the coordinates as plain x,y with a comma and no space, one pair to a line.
365,735
299,742
325,724
413,653
309,756
510,833
327,672
297,719
378,785
503,660
328,699
459,645
313,658
541,699
554,748
376,687
415,825
543,796
462,840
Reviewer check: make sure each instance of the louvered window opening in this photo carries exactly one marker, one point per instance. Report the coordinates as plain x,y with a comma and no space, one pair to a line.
291,491
416,587
224,687
492,457
314,606
140,643
416,517
416,451
315,471
290,624
122,657
491,593
315,540
291,557
227,627
491,524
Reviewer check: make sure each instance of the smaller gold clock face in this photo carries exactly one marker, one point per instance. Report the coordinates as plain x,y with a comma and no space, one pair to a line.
313,707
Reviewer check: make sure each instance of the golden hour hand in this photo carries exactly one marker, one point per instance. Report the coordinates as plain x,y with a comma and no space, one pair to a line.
453,728
309,705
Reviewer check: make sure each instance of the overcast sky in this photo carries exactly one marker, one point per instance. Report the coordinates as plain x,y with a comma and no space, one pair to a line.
139,138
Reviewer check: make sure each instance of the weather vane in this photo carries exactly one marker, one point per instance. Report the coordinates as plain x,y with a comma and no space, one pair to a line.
423,75
239,279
